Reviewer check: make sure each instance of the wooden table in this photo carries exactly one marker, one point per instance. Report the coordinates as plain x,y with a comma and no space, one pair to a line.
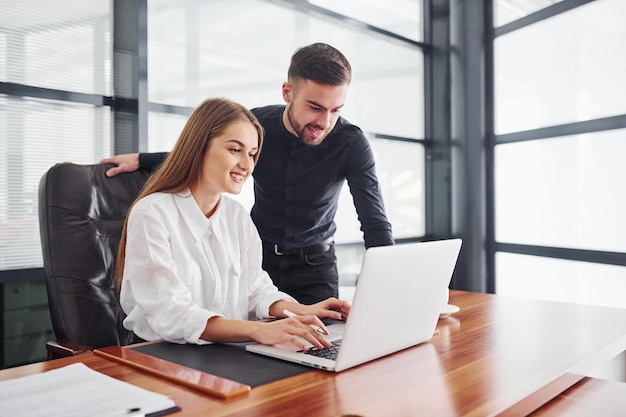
497,356
589,397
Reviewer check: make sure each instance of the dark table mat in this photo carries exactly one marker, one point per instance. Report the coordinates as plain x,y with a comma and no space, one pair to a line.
230,361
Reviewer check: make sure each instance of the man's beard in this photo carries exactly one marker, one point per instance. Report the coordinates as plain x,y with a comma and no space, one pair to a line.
300,131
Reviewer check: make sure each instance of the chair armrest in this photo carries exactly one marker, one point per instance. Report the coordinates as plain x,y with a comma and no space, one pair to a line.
64,348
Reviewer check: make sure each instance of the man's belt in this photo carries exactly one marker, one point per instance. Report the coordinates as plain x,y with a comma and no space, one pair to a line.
314,249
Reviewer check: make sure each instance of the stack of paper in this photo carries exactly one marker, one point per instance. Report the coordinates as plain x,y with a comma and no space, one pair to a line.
77,391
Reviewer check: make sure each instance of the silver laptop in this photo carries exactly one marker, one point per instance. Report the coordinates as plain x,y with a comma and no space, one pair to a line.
399,295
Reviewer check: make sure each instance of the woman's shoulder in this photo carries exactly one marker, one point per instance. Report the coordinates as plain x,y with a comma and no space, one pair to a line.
155,199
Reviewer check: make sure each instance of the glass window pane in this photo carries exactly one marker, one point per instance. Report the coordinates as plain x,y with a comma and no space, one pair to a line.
403,17
400,171
64,45
560,280
164,130
386,73
563,192
3,56
506,11
349,261
565,69
244,55
35,135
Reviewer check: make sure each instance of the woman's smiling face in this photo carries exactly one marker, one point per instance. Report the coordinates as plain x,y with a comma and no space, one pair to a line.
230,159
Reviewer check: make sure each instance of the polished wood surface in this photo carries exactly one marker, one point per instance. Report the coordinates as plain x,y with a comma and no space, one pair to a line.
497,356
589,397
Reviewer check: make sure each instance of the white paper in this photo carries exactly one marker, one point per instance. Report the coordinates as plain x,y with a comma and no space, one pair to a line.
75,391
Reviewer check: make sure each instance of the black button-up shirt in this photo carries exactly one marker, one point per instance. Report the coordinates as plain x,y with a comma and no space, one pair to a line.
297,186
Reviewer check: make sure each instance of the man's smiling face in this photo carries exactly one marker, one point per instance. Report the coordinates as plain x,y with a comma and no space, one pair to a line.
312,109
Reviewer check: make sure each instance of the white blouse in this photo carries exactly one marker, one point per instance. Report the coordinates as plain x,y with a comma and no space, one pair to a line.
182,269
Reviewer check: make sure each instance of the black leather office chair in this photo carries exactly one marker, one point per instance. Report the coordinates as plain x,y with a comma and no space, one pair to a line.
81,214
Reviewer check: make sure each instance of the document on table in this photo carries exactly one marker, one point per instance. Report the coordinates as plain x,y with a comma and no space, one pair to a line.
78,391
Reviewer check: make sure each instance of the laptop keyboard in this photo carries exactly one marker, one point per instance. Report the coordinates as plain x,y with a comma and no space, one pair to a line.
328,353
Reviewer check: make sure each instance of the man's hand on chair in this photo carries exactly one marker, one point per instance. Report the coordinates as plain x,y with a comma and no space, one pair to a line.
128,162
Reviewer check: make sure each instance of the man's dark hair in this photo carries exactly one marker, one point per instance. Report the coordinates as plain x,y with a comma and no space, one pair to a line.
321,63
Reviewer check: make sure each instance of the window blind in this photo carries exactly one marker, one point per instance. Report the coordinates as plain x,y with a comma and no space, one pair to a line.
60,48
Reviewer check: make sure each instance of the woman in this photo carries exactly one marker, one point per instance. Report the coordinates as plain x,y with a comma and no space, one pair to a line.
189,261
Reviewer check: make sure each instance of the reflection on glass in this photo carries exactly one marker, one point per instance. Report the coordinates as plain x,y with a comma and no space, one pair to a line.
565,69
563,192
560,280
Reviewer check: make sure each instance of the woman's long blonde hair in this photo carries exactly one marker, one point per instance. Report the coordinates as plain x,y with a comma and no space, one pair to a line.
181,169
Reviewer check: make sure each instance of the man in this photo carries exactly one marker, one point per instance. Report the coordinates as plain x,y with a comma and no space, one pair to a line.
308,153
